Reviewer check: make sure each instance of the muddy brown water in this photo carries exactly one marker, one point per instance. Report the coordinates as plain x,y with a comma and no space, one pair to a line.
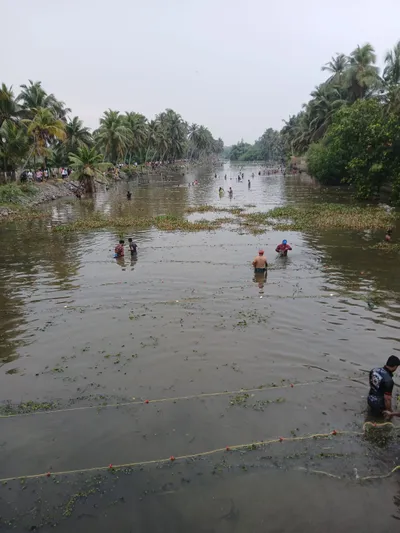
187,318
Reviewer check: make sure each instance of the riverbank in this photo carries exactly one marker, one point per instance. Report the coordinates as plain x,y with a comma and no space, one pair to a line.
15,198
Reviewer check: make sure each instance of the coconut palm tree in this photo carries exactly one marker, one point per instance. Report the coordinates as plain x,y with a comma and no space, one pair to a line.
44,128
113,137
218,146
326,101
14,144
174,129
362,74
391,72
9,108
138,128
151,140
77,135
34,96
58,156
88,166
204,141
337,67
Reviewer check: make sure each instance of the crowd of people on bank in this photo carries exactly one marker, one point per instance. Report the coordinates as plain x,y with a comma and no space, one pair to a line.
43,174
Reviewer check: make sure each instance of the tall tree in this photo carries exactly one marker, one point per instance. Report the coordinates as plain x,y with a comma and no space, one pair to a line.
138,129
362,74
44,128
113,137
77,135
337,67
9,108
173,130
34,96
14,144
391,72
88,166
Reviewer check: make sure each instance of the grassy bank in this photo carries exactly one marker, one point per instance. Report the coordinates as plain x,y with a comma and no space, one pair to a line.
12,194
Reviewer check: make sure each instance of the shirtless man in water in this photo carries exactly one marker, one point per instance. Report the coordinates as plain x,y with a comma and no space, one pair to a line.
260,263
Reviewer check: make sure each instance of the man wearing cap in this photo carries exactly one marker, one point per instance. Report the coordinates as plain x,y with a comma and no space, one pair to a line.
282,249
260,263
381,387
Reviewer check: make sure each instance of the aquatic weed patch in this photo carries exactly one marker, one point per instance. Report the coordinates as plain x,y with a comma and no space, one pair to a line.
213,209
331,216
387,247
254,223
161,222
9,409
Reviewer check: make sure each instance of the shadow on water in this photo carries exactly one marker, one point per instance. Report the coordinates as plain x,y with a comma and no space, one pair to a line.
187,326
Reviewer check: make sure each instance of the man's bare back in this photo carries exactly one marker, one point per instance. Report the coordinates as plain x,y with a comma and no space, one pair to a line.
260,262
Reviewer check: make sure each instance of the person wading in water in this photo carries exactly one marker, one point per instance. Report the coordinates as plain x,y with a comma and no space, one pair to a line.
260,263
381,386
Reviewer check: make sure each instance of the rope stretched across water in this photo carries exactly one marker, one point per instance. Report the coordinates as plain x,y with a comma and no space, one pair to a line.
168,399
227,449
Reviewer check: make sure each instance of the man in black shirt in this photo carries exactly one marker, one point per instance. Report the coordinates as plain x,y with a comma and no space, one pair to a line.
381,387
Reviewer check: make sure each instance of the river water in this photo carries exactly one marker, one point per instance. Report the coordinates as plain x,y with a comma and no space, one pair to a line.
187,324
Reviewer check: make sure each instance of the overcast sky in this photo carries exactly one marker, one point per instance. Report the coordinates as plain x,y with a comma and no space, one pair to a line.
236,66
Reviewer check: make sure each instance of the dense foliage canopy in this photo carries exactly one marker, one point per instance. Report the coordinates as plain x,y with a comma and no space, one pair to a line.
36,130
350,129
269,147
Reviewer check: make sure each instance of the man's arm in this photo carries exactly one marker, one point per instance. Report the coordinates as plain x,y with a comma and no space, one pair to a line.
289,247
254,263
278,249
388,401
389,414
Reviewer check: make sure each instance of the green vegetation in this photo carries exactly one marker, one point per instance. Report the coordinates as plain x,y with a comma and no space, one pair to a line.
269,147
36,132
88,166
9,409
162,222
297,218
213,209
329,216
360,148
16,193
350,129
240,399
386,247
83,495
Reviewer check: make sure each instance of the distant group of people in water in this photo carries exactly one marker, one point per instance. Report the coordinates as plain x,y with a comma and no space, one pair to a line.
240,177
